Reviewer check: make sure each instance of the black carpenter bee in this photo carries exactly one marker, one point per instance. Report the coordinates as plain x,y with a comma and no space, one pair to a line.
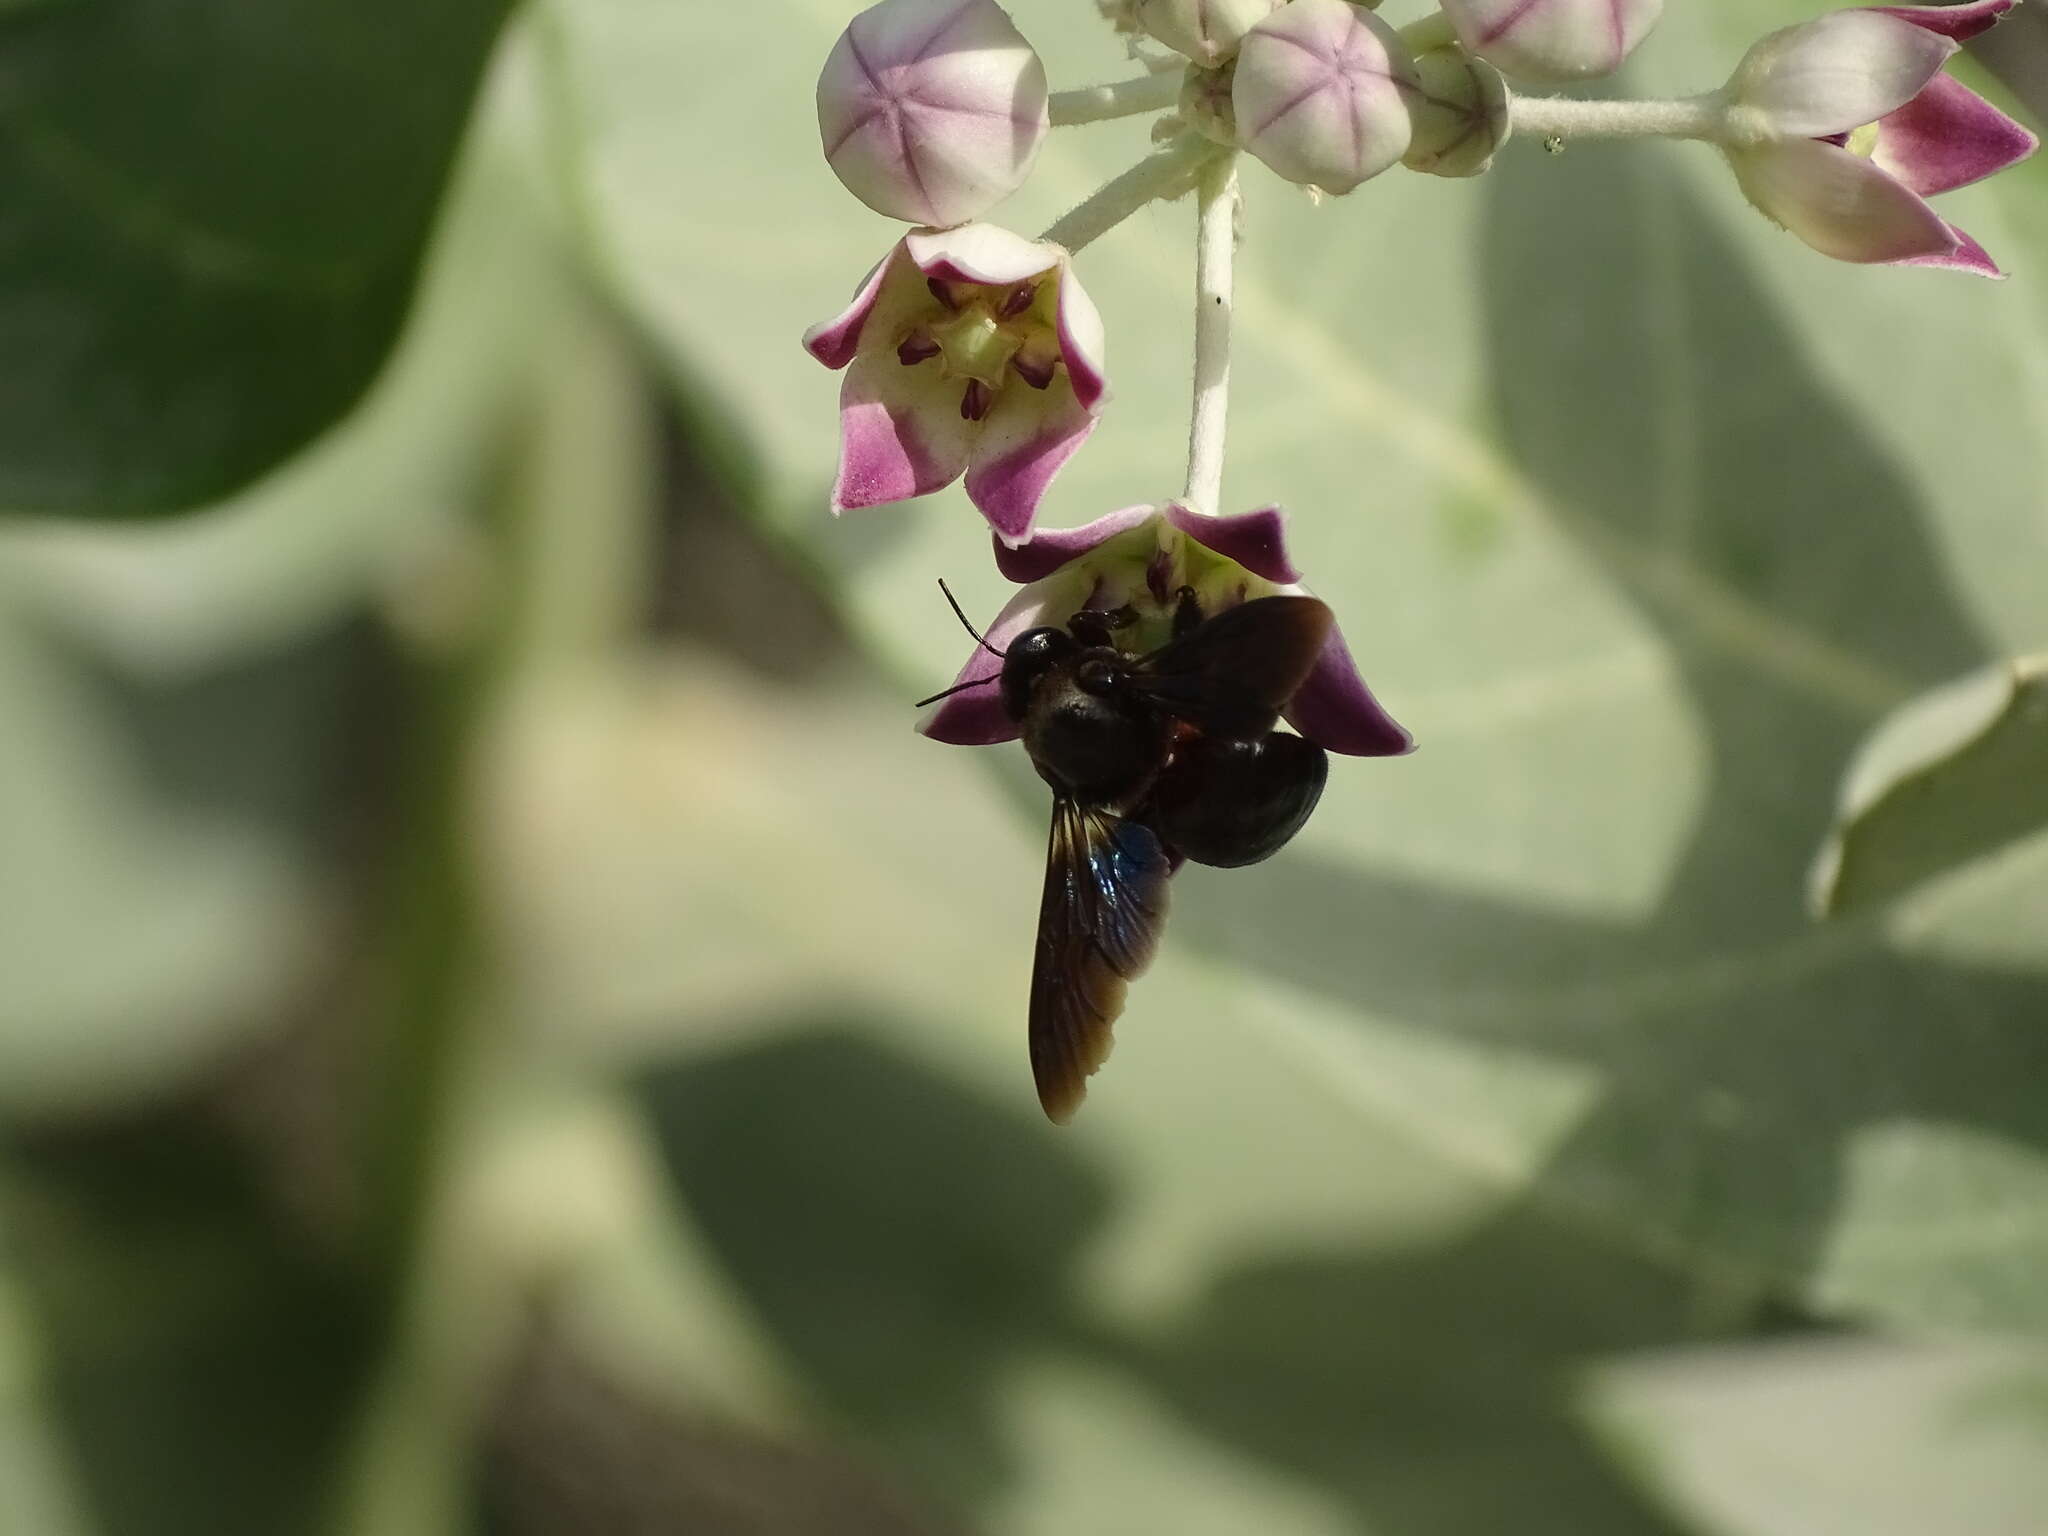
1152,759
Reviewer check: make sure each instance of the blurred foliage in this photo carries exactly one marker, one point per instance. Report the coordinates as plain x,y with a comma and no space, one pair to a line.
1953,776
507,1030
217,210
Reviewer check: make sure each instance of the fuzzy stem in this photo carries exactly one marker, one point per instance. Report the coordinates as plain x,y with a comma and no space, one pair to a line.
1125,98
1215,250
1163,174
1563,117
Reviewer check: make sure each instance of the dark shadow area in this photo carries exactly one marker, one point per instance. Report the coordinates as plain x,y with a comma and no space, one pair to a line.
1431,1390
902,1238
905,1242
568,1452
1691,451
207,1362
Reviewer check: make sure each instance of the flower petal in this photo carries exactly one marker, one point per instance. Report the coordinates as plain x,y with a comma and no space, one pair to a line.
1838,73
1022,444
1046,551
1081,340
1968,256
979,253
833,342
1335,710
1840,203
1961,22
1947,137
1255,540
900,432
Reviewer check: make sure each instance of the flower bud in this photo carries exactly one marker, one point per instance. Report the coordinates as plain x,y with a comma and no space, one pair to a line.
1460,118
1553,40
1323,93
1207,31
932,111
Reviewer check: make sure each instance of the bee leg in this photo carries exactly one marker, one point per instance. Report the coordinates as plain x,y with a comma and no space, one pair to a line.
1094,626
1187,611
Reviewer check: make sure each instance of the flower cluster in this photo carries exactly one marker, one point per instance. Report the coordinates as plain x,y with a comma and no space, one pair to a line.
969,350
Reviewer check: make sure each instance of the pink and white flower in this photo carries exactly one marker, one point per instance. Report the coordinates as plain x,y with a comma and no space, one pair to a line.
1840,130
1142,556
932,111
1553,40
969,350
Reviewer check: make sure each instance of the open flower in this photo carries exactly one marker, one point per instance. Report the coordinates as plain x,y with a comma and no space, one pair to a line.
932,111
970,349
1840,130
1553,40
1143,556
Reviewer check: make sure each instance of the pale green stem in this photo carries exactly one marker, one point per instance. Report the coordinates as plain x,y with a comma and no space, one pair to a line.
1215,252
1126,98
1164,174
1562,117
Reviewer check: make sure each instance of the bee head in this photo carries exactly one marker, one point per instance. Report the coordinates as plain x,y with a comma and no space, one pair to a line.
1030,657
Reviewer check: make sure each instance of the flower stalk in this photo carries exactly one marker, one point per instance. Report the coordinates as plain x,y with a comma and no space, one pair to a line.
1163,175
1215,260
1565,117
1123,98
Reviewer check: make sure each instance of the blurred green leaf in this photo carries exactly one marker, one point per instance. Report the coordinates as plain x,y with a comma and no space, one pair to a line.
165,843
1611,486
202,1355
217,210
387,492
1957,773
1852,1438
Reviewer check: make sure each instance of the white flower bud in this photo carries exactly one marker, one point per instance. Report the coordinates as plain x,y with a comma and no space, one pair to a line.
932,111
1323,94
1461,116
1553,40
1207,31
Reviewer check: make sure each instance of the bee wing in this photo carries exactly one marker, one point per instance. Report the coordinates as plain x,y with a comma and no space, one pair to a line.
1232,675
1098,924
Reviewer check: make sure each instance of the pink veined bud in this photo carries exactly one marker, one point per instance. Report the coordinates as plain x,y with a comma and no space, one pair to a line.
932,111
1461,114
1323,94
1207,31
1553,40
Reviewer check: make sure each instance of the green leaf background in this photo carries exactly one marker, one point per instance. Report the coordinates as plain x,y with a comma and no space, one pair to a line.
1526,1055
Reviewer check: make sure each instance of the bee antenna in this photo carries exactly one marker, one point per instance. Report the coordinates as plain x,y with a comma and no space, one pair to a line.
947,693
964,624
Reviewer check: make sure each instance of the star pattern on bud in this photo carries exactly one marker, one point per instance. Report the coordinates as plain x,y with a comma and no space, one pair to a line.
1323,92
932,111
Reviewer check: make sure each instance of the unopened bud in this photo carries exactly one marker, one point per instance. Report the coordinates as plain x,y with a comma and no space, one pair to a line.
932,111
1323,94
1207,31
1461,116
1553,40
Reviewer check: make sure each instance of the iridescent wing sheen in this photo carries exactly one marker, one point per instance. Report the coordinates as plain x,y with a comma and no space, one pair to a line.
1232,674
1098,925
